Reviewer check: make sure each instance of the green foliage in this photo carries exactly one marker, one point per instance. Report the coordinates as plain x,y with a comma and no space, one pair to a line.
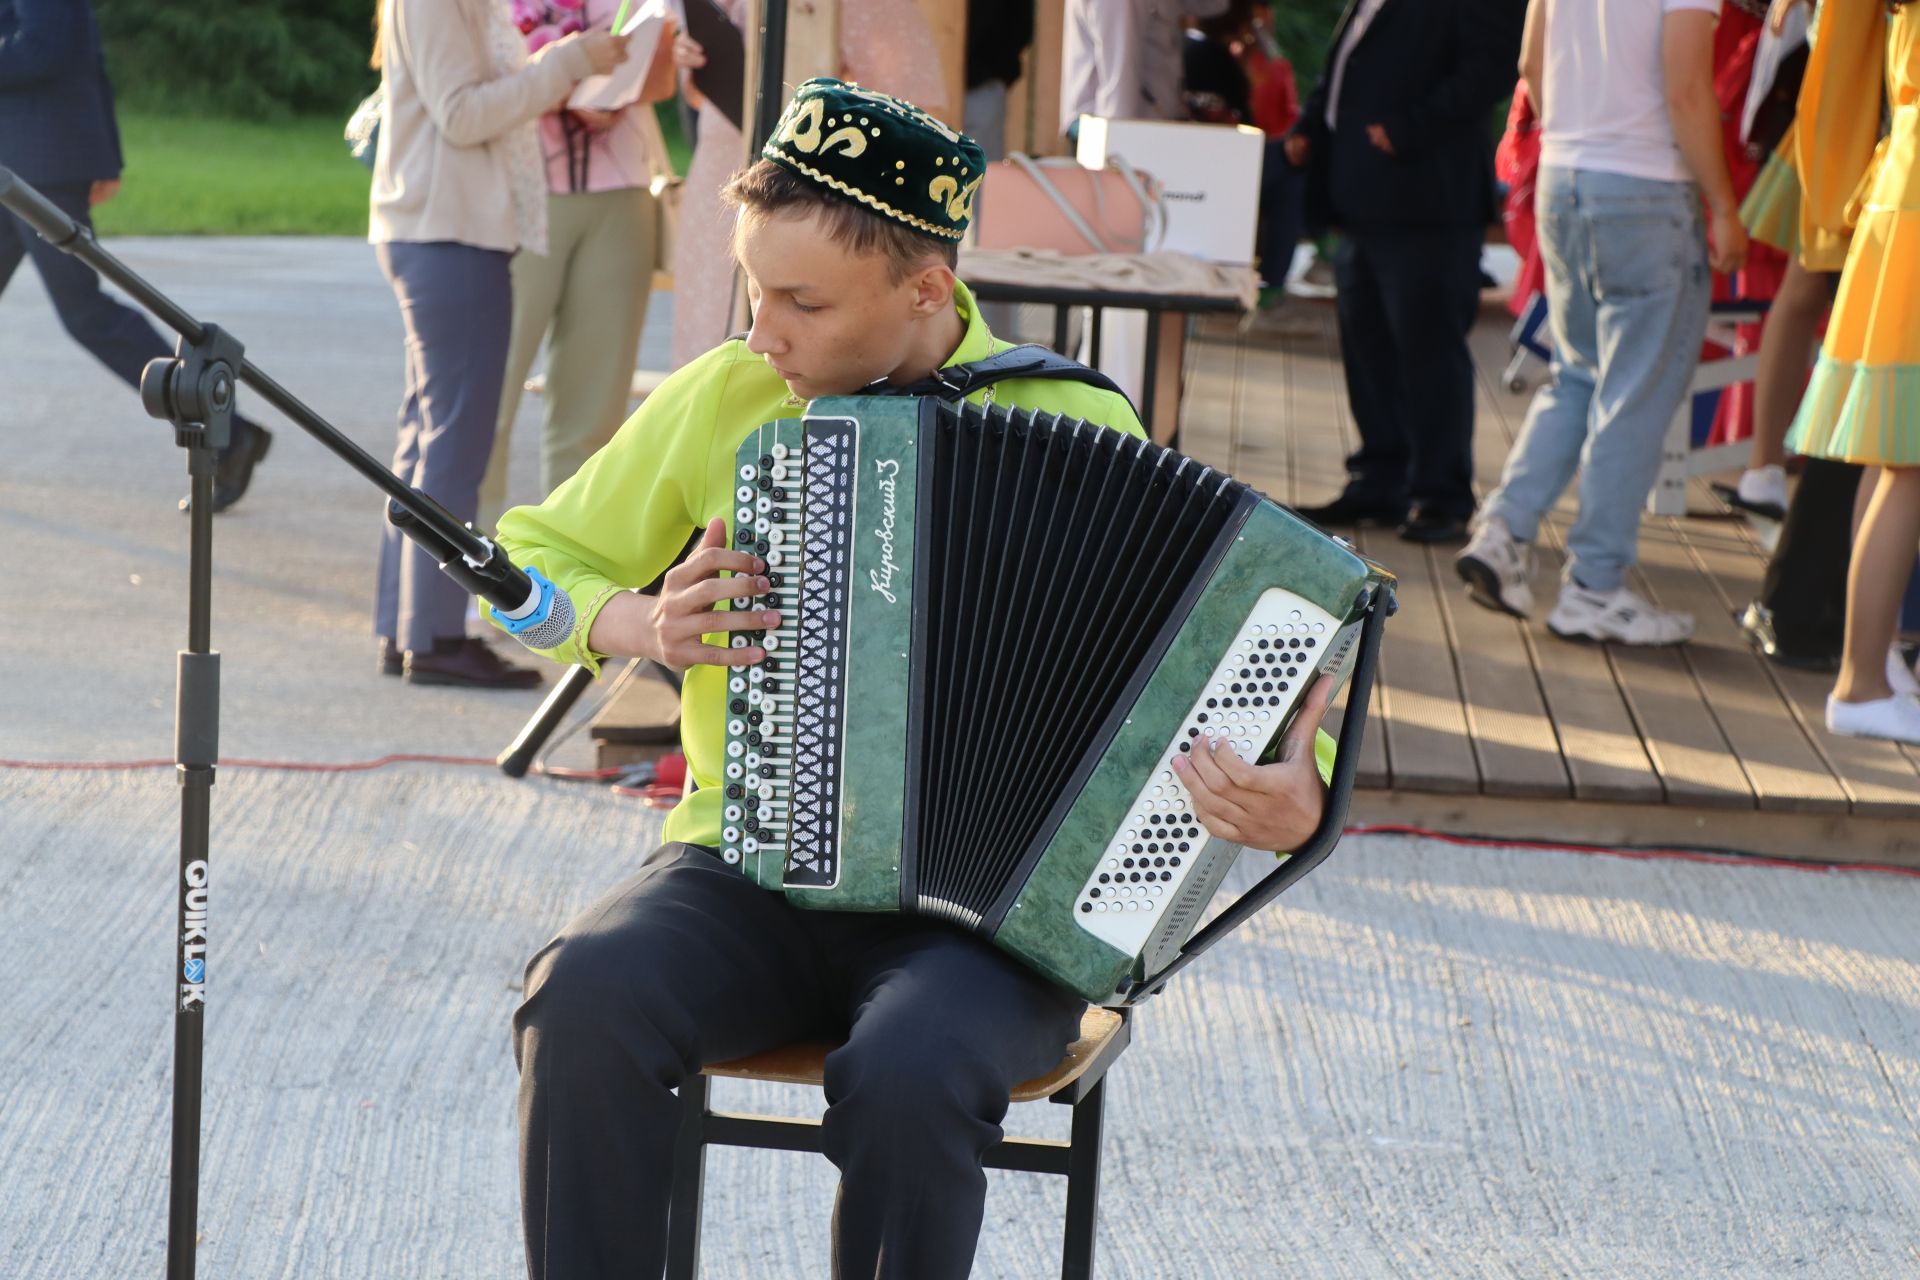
258,59
1303,28
191,175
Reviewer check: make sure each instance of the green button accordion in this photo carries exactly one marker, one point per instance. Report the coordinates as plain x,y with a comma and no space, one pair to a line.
998,628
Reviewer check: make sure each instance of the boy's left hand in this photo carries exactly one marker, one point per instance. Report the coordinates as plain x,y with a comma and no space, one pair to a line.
1262,806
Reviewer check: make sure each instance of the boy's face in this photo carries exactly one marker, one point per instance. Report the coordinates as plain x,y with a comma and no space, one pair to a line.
829,320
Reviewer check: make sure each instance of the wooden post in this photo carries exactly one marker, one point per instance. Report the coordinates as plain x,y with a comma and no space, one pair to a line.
947,19
1033,106
813,40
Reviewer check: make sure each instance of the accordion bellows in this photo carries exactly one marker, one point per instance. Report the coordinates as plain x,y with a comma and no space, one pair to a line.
999,628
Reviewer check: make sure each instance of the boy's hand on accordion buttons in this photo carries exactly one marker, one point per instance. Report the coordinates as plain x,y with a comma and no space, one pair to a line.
684,611
1262,806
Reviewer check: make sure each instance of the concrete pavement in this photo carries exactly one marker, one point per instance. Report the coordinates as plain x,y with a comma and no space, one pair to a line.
1428,1061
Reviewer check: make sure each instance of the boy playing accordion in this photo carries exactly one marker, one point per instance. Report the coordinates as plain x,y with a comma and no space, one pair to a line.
847,236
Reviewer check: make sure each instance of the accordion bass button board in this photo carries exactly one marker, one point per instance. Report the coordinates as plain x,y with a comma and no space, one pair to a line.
998,629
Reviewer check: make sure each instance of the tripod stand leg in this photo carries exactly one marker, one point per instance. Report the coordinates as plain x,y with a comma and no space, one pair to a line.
196,752
519,754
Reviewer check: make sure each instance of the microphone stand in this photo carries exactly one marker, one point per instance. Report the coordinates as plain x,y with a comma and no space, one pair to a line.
194,391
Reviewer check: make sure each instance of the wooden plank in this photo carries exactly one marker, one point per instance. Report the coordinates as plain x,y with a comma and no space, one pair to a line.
1605,757
1599,738
1878,778
1803,836
1513,738
1781,764
1425,719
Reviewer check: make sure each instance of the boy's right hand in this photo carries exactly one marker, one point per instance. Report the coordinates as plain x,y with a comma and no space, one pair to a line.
684,611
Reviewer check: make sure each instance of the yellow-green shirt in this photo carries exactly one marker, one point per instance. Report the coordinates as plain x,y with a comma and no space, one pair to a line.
624,518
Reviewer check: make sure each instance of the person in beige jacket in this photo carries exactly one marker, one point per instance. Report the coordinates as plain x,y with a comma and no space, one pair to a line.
458,189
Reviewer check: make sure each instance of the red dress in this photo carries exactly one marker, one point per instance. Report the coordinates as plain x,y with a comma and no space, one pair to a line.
1517,164
1735,42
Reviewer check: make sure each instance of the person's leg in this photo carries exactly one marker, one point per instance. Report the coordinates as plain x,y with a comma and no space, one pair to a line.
13,247
1430,284
536,293
686,963
596,330
944,1026
1799,618
458,307
1282,214
1547,452
406,461
1883,559
1786,352
1650,267
118,336
1377,473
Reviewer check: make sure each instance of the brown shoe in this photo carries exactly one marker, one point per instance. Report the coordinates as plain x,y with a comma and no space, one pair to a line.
467,662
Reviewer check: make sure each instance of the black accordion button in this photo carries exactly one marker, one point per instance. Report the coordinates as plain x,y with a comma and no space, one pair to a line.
754,717
737,705
735,791
753,739
778,494
1086,906
766,461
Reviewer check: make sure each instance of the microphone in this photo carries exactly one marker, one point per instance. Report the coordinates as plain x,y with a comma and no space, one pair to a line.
544,619
530,608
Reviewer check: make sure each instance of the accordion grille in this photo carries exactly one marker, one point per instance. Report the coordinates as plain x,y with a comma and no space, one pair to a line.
1061,552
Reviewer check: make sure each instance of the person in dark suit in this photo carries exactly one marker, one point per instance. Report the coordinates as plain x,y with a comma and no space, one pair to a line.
57,132
1398,147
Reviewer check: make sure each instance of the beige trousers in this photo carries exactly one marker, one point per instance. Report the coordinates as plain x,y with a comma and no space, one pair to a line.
587,299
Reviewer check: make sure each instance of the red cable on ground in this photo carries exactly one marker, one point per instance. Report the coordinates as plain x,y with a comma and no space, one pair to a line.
298,766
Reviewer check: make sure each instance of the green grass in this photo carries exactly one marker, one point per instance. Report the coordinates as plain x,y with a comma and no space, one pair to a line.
197,176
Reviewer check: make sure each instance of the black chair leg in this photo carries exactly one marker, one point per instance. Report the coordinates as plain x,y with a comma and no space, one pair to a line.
1083,1185
689,1173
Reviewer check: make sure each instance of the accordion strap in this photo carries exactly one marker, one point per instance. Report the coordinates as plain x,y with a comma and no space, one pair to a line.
1031,360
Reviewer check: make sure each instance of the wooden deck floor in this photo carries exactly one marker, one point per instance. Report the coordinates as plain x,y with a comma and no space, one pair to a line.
1483,723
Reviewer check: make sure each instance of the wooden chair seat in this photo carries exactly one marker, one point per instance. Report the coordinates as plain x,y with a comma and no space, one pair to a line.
806,1063
1078,1082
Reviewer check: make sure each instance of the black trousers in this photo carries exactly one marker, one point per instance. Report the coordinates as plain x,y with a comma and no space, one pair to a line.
688,963
1805,587
1407,301
120,337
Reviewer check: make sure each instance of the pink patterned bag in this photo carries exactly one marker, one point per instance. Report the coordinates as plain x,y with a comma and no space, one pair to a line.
1059,204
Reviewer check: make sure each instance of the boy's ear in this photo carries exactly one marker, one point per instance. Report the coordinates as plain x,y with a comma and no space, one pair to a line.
932,288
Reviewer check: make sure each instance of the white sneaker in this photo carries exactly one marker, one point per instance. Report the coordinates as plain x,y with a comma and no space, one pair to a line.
1900,677
1498,568
1764,489
1896,718
1619,615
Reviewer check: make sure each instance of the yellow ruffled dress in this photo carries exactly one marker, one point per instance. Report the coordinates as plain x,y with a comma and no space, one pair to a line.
1863,402
1771,211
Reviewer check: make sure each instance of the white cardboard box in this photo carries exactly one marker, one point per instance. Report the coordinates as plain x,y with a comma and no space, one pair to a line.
1211,174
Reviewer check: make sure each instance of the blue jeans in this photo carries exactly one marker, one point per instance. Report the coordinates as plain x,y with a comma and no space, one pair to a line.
1627,295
